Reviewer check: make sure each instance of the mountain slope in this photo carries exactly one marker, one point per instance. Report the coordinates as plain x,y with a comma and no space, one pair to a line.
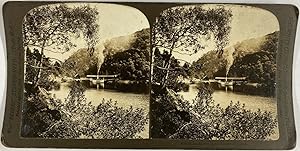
123,43
211,64
82,62
78,63
259,67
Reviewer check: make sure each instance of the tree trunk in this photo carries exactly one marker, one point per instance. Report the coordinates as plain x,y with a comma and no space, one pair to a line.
40,64
152,48
167,66
42,54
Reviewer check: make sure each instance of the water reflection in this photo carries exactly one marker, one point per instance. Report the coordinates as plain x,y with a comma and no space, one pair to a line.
225,96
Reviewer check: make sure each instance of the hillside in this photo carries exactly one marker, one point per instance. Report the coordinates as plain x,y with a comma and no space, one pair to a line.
132,63
123,43
259,66
82,62
78,63
211,64
249,46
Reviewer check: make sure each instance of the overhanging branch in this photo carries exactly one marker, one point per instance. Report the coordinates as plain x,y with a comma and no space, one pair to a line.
182,53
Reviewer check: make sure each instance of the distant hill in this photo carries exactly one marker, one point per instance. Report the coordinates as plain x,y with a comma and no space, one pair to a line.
260,65
211,64
249,46
82,62
132,63
78,63
123,43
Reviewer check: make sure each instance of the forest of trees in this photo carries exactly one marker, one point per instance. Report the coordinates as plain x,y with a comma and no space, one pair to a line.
260,66
131,64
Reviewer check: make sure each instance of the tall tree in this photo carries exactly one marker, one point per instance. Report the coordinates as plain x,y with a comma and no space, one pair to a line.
180,30
52,28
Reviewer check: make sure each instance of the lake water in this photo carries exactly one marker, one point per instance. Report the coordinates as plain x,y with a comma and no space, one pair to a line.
123,99
252,102
224,98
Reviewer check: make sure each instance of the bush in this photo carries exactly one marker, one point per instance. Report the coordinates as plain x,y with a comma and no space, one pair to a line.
36,116
80,119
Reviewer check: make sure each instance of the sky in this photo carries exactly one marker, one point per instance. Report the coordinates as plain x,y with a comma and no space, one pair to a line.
247,22
114,21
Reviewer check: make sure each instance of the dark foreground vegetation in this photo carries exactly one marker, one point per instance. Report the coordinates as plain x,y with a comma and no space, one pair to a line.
175,118
75,117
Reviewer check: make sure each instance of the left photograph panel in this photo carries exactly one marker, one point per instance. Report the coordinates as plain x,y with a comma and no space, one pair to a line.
87,70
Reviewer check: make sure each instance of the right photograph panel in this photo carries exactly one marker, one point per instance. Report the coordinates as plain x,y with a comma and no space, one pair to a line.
214,73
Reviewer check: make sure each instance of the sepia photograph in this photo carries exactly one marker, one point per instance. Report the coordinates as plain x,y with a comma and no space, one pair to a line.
87,72
213,74
149,75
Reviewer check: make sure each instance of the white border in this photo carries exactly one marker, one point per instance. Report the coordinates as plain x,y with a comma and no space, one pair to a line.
296,60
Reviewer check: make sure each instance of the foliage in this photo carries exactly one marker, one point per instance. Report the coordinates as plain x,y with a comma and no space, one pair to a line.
47,75
54,25
179,30
51,27
46,28
166,118
181,27
204,119
81,63
177,71
36,116
80,119
132,64
142,40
